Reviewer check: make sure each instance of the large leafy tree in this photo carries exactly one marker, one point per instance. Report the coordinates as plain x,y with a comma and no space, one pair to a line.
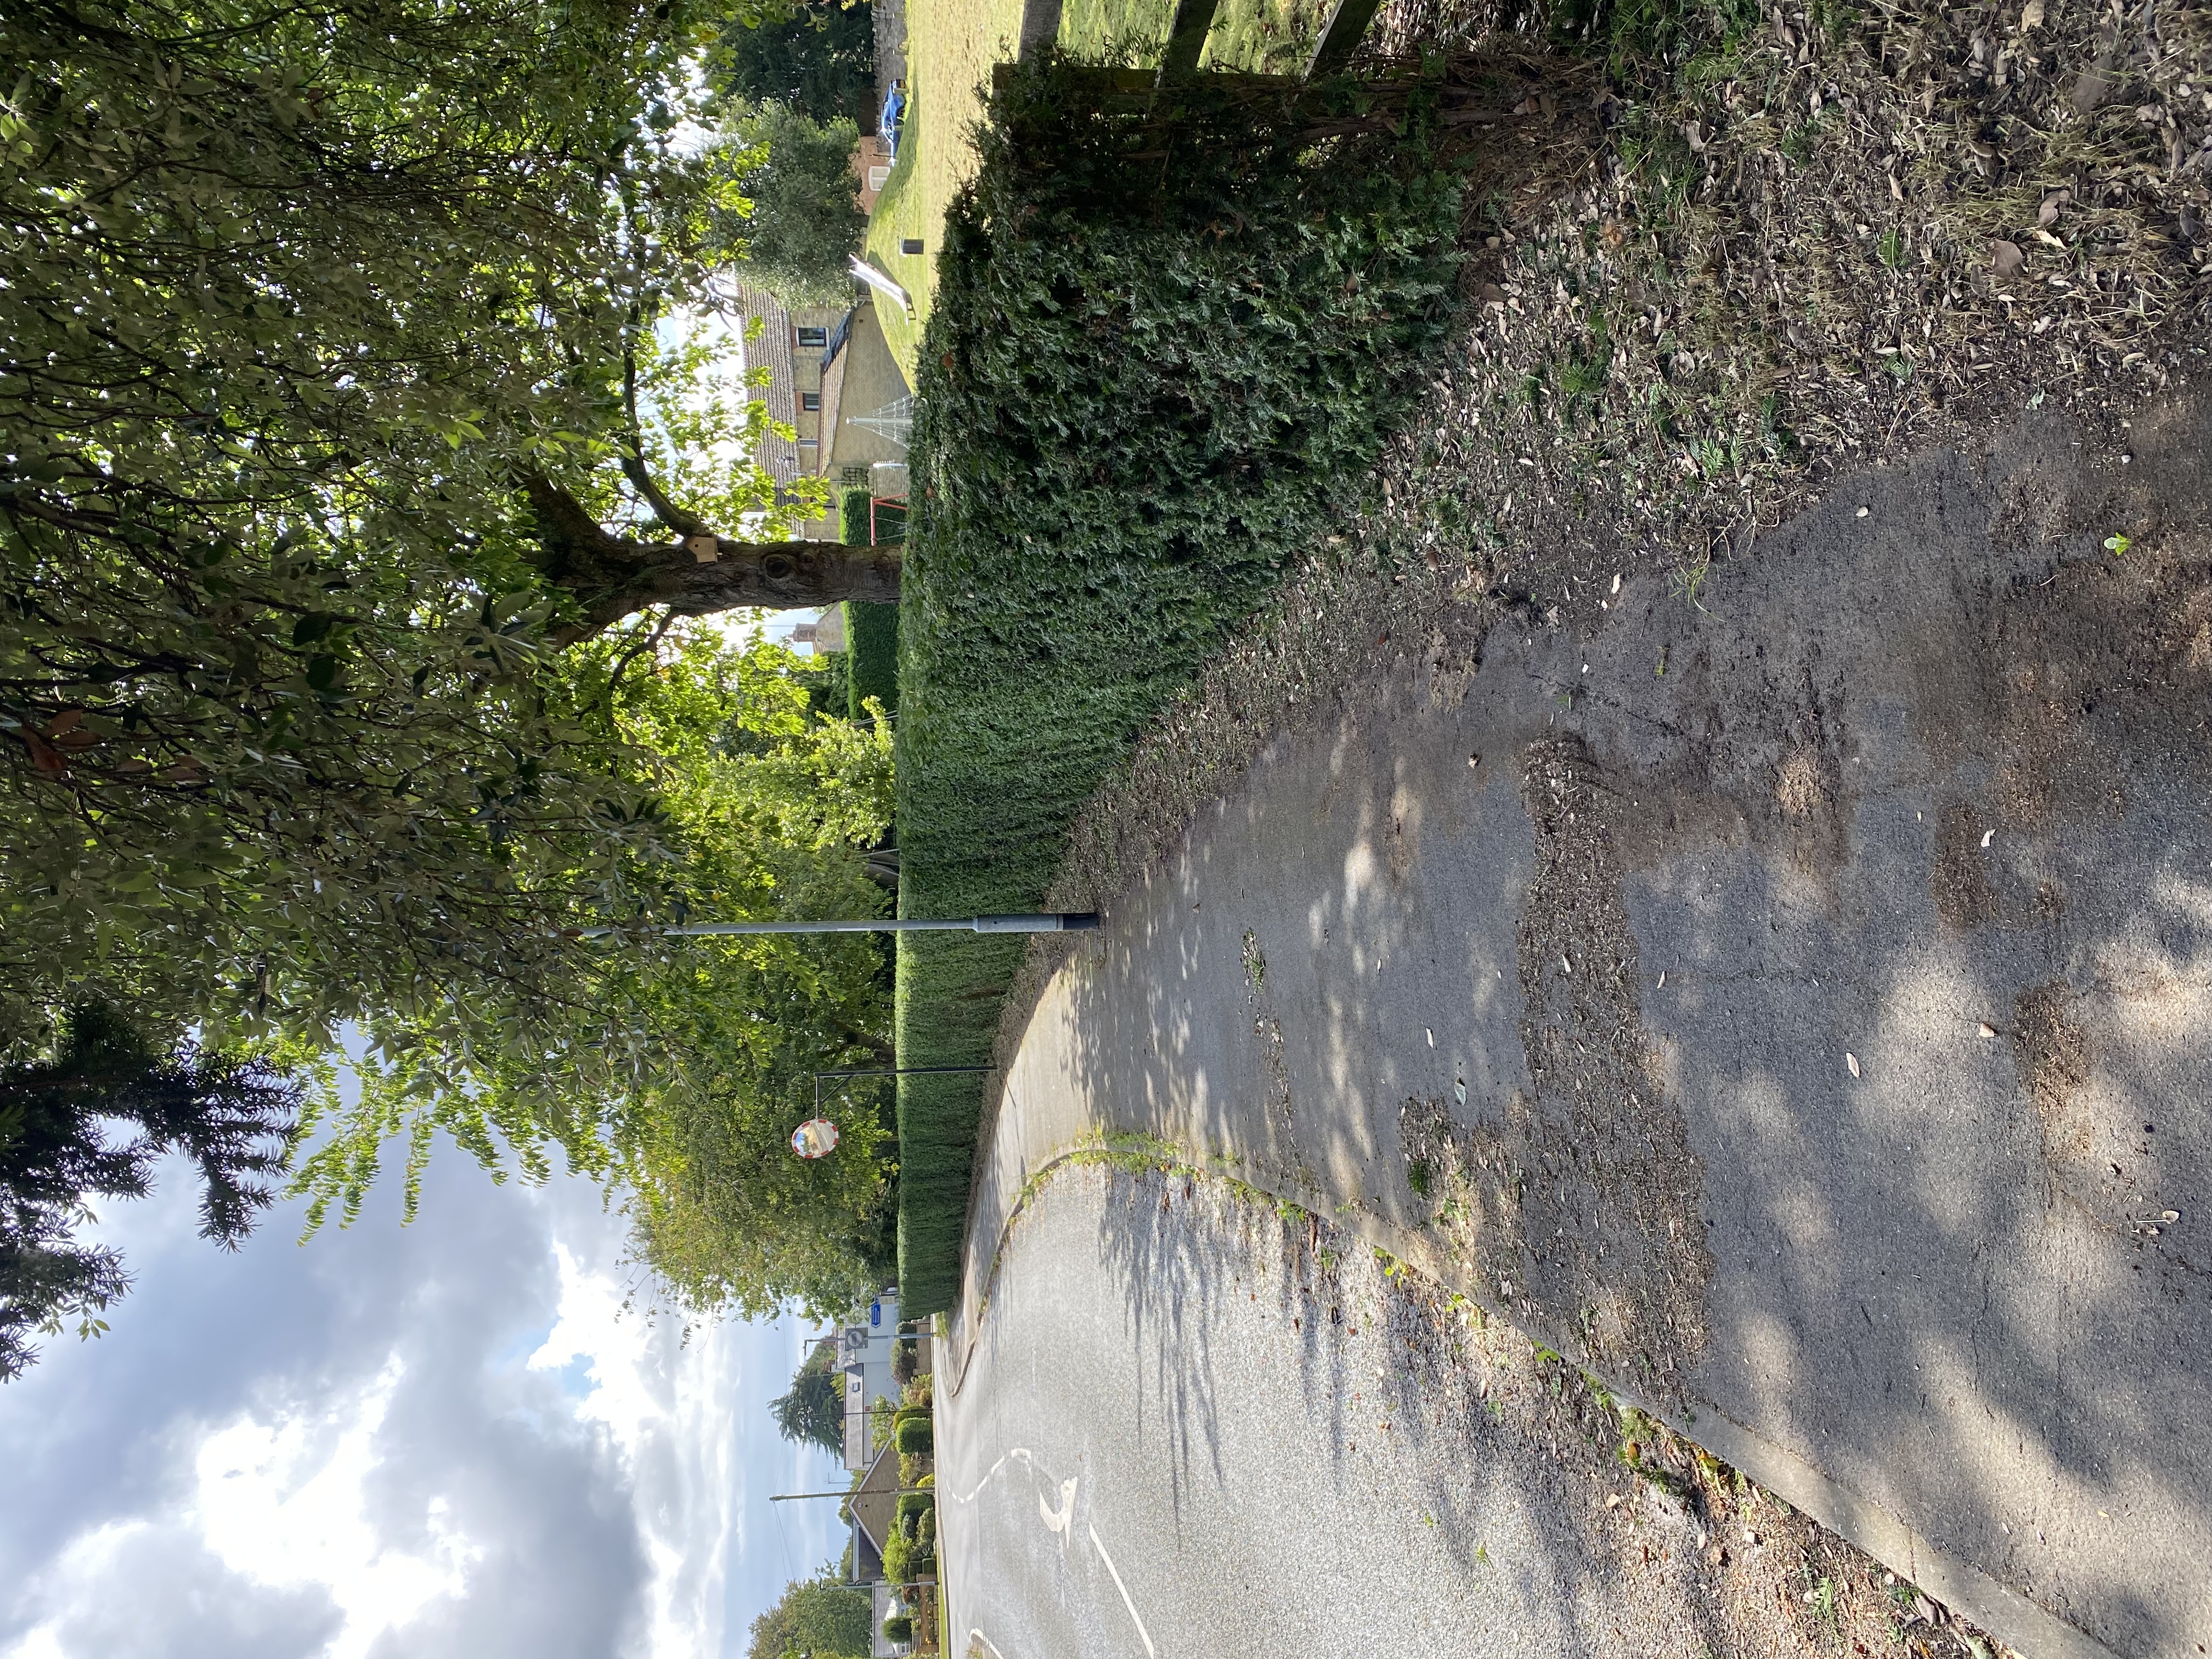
804,221
820,60
679,1069
60,1115
340,473
816,1619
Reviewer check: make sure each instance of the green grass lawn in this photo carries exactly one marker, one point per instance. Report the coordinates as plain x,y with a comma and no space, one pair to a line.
950,45
900,213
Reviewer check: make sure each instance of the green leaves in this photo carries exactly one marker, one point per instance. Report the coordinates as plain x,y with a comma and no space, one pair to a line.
674,1070
795,179
284,753
315,625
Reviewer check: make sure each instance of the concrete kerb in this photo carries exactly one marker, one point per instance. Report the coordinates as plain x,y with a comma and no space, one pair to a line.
2014,1620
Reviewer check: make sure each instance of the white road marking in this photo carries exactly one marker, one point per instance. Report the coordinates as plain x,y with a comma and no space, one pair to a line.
1098,1545
1059,1522
1022,1452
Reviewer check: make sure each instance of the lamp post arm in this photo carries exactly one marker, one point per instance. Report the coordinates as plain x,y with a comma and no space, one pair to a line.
1048,923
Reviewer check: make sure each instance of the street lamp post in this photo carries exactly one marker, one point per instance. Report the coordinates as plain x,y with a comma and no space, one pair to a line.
1048,923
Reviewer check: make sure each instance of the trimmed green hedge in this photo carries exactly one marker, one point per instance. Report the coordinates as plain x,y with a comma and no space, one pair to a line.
1166,345
871,635
914,1437
870,630
853,518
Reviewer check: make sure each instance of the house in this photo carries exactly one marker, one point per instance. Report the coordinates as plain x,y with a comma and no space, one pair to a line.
874,1504
866,1344
886,1603
825,633
871,171
874,1508
831,379
867,409
792,346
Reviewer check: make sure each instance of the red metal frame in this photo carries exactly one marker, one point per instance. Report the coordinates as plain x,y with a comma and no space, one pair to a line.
875,537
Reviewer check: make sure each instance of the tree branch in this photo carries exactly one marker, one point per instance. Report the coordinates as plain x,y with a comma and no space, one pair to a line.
633,464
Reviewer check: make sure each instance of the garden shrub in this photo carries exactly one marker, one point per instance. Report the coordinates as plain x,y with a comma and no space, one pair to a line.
898,1627
915,1436
861,522
853,518
912,1504
871,636
1166,347
870,660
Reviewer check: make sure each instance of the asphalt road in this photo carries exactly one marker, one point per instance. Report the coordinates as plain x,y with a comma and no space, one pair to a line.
1186,1431
1797,1009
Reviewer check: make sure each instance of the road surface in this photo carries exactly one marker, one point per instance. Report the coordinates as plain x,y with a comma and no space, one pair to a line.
1196,1429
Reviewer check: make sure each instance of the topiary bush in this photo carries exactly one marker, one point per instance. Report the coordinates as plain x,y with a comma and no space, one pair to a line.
915,1436
913,1505
898,1627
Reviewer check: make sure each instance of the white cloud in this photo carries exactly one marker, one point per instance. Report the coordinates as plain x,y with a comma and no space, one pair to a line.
590,1327
667,1403
281,1503
448,1441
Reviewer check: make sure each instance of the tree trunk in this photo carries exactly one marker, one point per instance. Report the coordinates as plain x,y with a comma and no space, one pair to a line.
612,576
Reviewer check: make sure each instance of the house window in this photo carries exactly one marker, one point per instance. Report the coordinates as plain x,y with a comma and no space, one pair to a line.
816,337
809,400
878,178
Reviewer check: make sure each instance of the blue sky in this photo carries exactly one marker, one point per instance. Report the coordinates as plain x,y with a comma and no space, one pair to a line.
449,1439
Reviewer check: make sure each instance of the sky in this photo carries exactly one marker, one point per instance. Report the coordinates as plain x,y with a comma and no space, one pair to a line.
442,1440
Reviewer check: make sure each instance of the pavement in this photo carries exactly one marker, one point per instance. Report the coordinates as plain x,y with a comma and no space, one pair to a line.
1194,1428
1794,1006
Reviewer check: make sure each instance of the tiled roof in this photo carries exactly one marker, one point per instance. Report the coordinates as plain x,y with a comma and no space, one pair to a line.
770,348
875,1500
